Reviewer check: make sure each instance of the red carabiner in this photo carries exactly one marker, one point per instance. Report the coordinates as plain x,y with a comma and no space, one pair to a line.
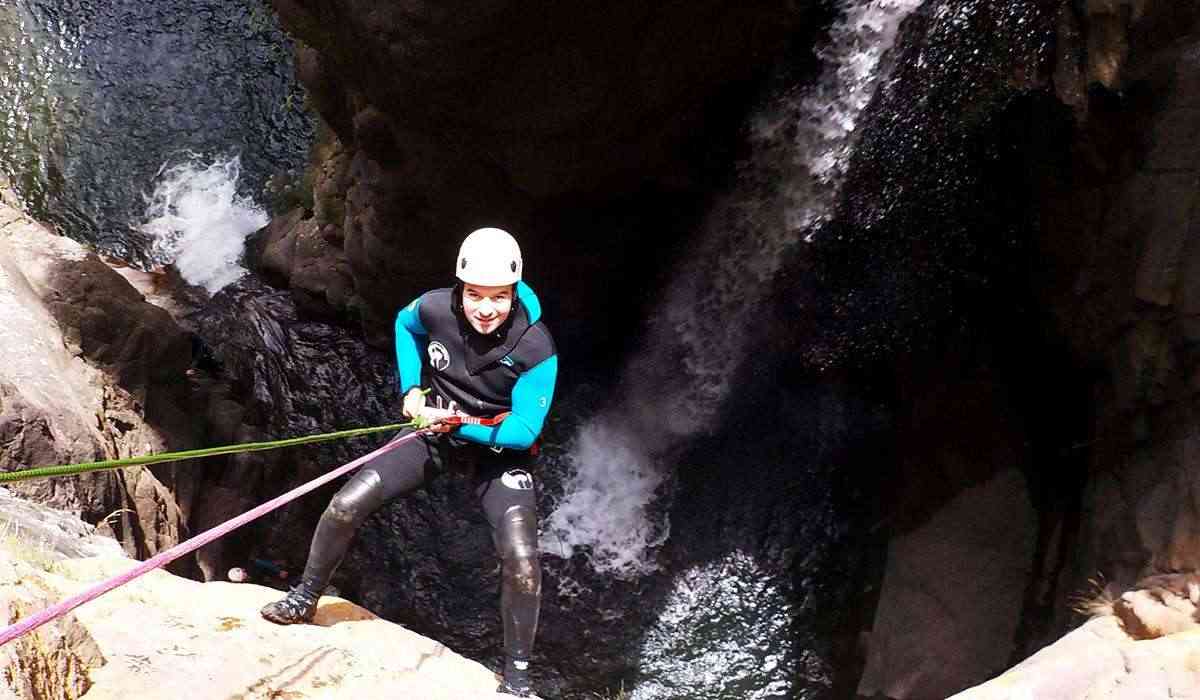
460,419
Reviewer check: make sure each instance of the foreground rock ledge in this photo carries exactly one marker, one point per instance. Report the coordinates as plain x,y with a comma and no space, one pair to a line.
167,637
1100,661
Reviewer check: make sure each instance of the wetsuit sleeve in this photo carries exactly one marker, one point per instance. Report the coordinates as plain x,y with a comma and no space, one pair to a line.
531,397
408,349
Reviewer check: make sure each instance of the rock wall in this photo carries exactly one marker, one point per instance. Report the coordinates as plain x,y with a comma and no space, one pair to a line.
1069,284
444,119
90,371
281,375
1120,234
963,569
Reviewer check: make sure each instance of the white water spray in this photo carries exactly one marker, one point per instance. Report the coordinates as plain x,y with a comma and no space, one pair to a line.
605,506
684,649
197,221
672,390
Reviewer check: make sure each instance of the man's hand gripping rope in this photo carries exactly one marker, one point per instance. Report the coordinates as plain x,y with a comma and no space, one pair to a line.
440,420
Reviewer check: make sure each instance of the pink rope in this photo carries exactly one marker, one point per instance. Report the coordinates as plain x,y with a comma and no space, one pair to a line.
37,620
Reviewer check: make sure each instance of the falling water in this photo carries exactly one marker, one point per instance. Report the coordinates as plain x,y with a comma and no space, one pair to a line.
196,220
802,140
95,95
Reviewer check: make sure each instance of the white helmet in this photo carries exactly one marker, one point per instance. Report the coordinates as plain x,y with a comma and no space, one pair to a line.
489,257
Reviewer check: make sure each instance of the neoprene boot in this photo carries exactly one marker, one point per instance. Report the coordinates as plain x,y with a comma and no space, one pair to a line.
300,605
516,678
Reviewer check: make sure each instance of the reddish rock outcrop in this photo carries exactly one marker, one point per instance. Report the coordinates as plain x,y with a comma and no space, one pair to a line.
91,371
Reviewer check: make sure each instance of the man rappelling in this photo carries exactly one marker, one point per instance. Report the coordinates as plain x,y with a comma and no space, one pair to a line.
489,354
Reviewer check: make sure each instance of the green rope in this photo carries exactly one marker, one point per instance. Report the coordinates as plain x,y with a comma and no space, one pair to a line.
67,469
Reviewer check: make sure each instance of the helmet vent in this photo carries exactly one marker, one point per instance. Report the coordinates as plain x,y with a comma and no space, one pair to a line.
463,265
513,265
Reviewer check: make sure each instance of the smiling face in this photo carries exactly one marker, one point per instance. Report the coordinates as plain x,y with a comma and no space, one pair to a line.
486,308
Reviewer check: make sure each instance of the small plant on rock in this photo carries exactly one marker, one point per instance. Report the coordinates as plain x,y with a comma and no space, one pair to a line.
1096,600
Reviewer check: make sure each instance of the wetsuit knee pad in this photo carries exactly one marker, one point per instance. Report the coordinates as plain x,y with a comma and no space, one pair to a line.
360,497
522,575
516,536
517,544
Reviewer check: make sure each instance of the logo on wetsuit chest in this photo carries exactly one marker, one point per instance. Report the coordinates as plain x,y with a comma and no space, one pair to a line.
439,356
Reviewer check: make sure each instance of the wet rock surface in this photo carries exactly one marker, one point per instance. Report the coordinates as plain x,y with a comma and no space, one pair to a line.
281,376
1065,314
1120,239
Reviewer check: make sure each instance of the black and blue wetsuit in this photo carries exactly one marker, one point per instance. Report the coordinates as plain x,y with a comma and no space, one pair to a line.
512,369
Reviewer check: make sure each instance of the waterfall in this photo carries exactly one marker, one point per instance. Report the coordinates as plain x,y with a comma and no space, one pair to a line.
801,141
95,96
196,220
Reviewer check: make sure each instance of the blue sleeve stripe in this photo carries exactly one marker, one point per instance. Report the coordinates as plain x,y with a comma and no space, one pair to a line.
533,306
531,399
410,316
533,393
512,433
408,351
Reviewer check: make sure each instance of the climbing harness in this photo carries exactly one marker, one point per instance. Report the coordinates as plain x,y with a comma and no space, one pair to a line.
162,558
458,419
